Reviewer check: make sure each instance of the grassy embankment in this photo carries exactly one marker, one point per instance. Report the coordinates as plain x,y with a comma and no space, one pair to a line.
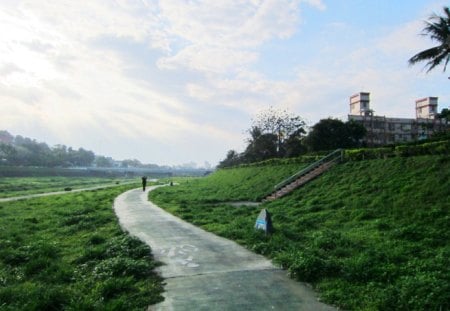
68,252
248,183
369,235
18,186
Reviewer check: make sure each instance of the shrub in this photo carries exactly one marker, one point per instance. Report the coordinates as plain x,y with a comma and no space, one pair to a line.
368,154
433,148
407,150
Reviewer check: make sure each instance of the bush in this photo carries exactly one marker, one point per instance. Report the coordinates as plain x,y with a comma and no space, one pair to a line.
433,148
368,154
407,150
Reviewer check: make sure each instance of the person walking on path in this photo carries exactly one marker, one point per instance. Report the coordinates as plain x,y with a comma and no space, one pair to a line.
144,182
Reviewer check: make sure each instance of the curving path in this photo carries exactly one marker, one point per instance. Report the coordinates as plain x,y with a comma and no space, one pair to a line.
205,272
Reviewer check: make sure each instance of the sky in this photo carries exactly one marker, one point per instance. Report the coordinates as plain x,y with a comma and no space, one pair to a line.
178,81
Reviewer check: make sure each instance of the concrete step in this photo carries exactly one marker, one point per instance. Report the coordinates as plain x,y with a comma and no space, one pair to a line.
301,180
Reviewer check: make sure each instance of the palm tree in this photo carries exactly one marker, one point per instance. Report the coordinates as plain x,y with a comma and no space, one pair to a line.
438,28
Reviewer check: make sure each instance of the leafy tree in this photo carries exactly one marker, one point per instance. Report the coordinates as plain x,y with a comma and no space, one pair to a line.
102,161
274,133
280,123
59,156
330,134
232,158
7,153
294,147
445,114
438,29
80,157
30,152
6,137
261,146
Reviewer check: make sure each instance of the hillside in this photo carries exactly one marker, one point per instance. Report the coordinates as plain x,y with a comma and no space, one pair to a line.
248,183
368,234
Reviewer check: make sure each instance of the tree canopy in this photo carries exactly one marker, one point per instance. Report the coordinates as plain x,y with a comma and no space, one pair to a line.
23,151
18,150
280,124
329,134
273,133
438,29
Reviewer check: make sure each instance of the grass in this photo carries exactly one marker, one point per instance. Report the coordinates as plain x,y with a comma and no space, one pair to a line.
18,186
244,184
369,235
69,253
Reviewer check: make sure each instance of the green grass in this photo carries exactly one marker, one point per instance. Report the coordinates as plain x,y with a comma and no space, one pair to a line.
69,253
244,184
369,235
18,186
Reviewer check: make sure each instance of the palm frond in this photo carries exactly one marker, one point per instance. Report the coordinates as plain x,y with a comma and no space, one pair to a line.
438,29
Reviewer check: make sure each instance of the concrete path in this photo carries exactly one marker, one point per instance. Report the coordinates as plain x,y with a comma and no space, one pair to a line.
205,272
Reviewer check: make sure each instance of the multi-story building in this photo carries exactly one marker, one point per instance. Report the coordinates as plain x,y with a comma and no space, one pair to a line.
383,131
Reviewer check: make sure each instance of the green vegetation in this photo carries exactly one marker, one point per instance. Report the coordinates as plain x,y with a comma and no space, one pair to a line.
405,150
249,183
69,253
437,28
15,186
369,235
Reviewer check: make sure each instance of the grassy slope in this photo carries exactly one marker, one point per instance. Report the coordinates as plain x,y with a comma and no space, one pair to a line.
68,252
244,184
18,186
369,235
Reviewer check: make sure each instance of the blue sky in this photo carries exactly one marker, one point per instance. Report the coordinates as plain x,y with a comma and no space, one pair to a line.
173,82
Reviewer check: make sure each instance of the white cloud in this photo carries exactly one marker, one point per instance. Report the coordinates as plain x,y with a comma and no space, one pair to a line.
404,40
316,3
221,36
208,59
164,62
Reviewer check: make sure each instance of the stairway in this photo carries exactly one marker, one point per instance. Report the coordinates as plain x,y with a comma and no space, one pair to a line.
305,175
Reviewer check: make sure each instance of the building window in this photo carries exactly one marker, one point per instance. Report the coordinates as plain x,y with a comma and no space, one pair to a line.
378,125
406,127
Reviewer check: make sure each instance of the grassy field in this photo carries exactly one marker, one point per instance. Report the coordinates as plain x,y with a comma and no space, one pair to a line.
68,252
18,186
369,235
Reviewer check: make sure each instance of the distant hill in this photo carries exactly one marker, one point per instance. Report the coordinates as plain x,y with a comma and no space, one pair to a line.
18,151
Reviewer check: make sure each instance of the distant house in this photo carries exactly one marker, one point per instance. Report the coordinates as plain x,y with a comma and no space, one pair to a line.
382,130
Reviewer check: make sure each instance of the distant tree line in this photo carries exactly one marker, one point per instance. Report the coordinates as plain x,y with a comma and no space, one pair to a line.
23,151
279,134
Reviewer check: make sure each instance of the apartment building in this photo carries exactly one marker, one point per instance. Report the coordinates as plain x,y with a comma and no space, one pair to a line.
383,130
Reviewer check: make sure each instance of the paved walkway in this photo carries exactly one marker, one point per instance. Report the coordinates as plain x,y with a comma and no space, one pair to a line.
205,272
